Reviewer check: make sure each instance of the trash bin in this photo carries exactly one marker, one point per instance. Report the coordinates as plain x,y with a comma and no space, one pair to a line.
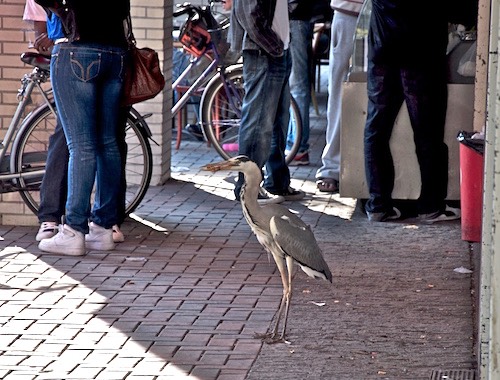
471,185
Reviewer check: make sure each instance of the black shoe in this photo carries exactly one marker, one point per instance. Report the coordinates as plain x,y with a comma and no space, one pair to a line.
393,214
195,130
289,194
266,198
449,213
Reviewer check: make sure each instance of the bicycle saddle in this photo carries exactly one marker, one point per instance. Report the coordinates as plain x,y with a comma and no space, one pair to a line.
36,59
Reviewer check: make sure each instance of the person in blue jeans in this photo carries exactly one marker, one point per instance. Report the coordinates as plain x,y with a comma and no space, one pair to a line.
303,15
53,190
261,30
87,78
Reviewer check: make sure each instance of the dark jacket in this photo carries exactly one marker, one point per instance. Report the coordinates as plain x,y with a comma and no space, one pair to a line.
407,31
415,31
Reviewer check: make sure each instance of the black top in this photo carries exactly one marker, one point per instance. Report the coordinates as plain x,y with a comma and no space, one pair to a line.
92,21
310,10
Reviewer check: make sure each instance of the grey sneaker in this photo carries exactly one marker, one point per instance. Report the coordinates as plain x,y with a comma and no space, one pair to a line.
47,230
66,242
384,216
449,213
99,238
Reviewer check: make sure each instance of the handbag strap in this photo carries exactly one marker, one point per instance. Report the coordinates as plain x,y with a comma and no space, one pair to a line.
129,34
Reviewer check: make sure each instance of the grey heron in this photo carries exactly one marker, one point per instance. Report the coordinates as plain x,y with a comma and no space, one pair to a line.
282,233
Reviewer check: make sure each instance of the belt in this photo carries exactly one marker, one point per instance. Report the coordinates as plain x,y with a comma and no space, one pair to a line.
60,41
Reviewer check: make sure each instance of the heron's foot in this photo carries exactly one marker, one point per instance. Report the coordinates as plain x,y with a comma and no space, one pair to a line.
271,338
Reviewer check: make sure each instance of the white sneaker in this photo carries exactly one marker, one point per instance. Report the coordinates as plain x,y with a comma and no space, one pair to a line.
99,238
118,236
47,230
66,242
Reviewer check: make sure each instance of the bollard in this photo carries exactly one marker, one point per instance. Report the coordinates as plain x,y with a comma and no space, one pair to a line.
471,193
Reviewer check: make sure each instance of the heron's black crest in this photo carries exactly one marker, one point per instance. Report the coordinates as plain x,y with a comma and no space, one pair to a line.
241,158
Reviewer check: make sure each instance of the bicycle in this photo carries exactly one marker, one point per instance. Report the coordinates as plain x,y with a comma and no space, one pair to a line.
23,166
222,81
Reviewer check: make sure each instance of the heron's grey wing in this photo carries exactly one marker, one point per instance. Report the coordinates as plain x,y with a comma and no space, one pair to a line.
296,239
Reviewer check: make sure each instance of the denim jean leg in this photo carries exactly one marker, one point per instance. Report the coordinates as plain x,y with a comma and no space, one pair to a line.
109,173
54,184
426,96
265,79
385,98
276,174
301,33
122,147
87,81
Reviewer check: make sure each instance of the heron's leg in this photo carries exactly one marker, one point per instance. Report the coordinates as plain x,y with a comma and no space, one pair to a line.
274,334
280,263
287,293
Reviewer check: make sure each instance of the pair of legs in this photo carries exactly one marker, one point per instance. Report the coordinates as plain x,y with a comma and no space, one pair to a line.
341,47
53,190
423,86
265,116
87,82
301,33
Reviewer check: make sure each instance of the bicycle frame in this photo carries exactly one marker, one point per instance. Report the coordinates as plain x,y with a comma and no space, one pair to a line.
29,82
216,65
206,74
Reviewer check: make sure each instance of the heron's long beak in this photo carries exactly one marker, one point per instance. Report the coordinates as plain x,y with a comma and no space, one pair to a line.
216,166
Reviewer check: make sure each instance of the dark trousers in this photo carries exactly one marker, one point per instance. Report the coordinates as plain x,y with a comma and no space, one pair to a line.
424,88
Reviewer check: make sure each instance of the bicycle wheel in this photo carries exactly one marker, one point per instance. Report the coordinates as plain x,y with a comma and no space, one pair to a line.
31,146
30,152
221,113
139,163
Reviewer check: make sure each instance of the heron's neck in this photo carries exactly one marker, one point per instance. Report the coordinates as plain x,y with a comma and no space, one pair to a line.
250,192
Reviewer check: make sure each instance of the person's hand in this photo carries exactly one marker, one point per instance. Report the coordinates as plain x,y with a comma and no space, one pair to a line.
43,44
227,5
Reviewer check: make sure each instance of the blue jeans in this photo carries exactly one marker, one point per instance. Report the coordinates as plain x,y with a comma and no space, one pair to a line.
87,80
424,89
265,116
301,33
54,186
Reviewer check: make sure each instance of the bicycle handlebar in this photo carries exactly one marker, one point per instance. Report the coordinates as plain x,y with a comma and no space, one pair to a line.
187,7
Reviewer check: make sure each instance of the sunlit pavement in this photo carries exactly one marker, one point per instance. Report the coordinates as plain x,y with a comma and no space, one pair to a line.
186,292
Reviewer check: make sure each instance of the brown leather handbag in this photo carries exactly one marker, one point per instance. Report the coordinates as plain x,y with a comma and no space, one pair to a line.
143,77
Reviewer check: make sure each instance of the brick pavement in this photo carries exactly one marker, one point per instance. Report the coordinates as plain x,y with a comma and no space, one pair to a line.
184,295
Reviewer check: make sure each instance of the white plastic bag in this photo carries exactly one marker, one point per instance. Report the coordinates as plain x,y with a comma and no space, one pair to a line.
467,64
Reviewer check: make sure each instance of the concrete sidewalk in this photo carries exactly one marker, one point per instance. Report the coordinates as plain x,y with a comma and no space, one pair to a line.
184,295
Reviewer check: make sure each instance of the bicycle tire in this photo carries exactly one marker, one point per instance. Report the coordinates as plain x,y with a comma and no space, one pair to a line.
220,120
31,146
139,164
30,152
